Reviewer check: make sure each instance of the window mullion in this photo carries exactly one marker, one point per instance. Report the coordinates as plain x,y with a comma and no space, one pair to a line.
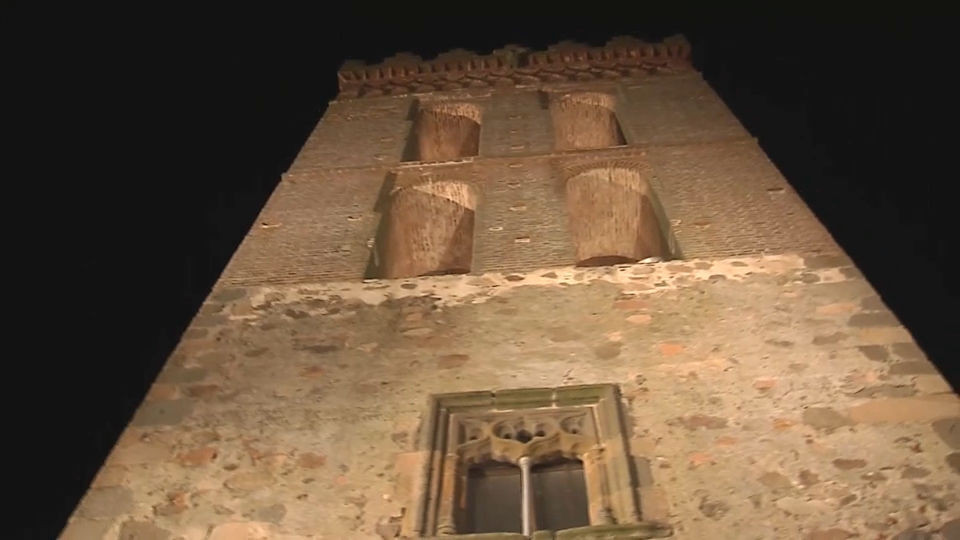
526,496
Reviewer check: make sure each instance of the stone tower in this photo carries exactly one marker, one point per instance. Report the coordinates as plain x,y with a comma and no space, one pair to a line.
560,293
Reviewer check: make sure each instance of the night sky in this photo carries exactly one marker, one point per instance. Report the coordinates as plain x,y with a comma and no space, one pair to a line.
179,136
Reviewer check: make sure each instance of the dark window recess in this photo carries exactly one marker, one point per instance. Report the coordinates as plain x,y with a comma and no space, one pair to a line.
493,498
560,496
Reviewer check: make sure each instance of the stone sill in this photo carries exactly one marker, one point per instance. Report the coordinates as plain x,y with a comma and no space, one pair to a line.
636,531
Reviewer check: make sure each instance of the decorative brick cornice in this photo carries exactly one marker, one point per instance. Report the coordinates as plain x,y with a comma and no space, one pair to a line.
513,65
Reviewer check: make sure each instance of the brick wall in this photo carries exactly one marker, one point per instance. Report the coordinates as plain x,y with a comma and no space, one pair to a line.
357,134
728,199
720,195
516,124
675,110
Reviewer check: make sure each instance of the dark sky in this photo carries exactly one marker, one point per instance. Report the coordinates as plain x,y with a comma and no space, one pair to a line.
173,139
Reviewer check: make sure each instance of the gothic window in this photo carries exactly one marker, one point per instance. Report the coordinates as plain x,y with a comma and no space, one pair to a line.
523,461
494,500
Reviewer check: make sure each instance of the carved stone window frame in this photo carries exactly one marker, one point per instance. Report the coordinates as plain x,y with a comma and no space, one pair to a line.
584,422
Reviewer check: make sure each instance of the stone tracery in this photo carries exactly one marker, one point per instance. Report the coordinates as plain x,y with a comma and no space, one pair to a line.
508,437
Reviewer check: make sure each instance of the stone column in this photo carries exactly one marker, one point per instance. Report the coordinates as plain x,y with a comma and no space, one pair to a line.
446,522
596,490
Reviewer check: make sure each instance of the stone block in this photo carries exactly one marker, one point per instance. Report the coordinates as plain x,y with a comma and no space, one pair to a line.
408,466
480,536
145,530
108,502
241,531
464,401
883,335
644,474
932,384
523,398
906,410
643,446
654,504
948,429
872,319
86,529
571,396
818,262
635,531
163,413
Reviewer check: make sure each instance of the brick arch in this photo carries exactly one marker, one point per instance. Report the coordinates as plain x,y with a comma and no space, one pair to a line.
585,120
613,219
446,132
429,230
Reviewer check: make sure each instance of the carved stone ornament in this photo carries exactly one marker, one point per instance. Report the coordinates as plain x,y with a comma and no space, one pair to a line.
507,437
513,66
543,424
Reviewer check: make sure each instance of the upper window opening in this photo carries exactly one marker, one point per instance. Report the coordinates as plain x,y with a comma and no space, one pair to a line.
444,132
585,120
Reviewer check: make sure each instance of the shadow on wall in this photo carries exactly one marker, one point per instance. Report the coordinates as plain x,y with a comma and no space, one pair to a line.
614,217
426,229
443,132
584,120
